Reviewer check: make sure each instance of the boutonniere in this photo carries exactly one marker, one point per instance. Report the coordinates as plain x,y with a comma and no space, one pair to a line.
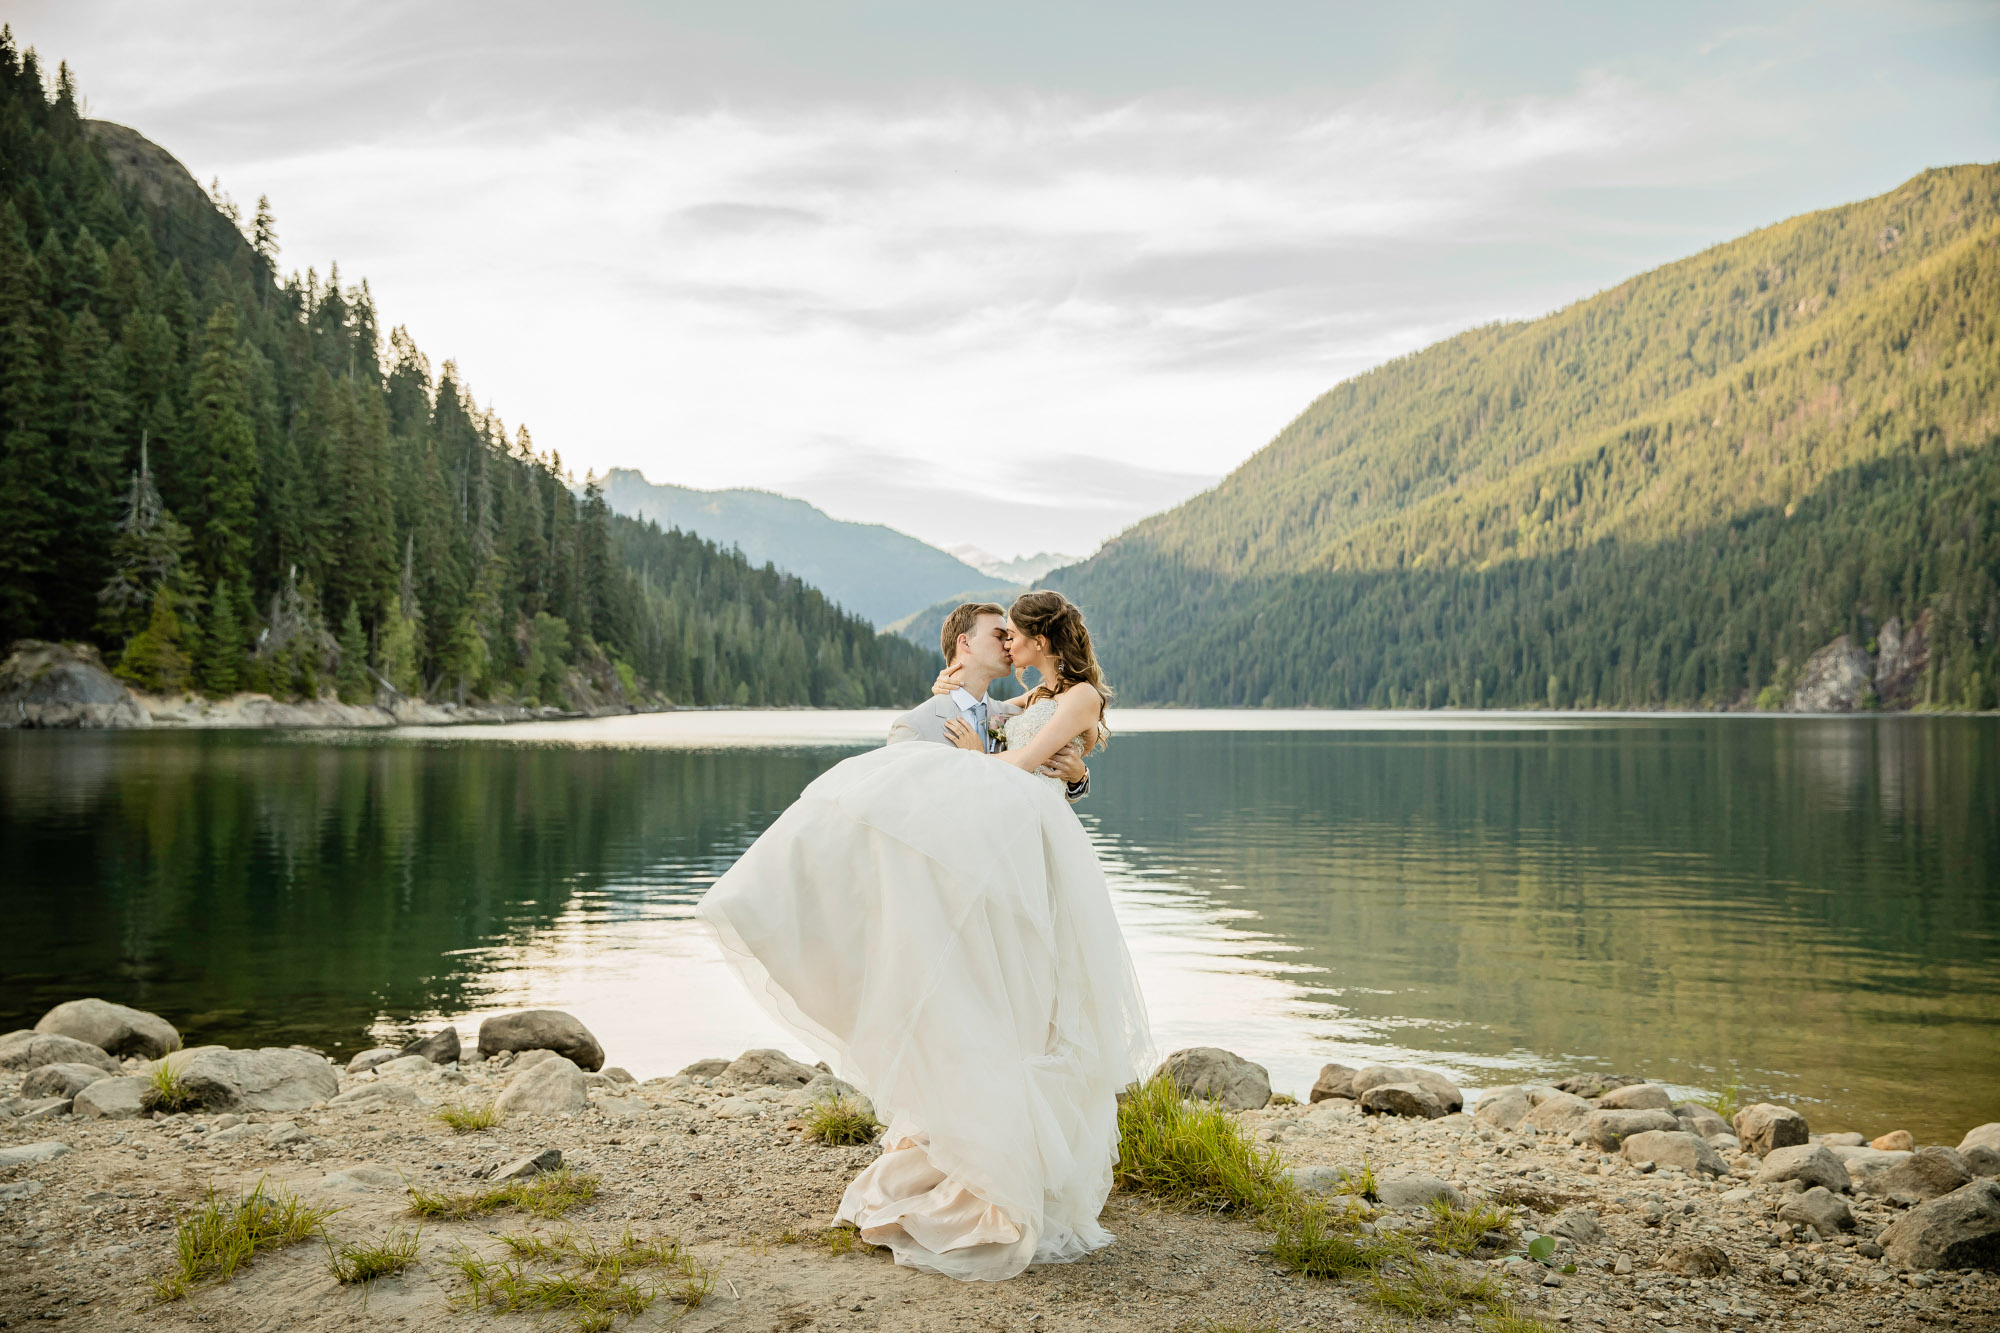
996,731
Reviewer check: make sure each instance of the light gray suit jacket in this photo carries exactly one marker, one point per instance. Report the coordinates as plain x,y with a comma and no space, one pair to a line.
926,722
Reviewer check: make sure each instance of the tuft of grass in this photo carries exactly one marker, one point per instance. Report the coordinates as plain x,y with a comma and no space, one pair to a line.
835,1240
169,1092
1459,1229
1729,1101
365,1263
1361,1185
1192,1154
1313,1240
465,1119
841,1122
1424,1287
1507,1319
583,1279
219,1237
550,1194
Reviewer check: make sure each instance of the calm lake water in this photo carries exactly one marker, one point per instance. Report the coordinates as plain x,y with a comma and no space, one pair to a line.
1804,908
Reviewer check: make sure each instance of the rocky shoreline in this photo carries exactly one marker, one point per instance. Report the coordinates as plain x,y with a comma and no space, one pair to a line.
1657,1214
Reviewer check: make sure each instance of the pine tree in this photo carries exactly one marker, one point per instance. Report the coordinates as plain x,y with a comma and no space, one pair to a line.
148,554
264,234
352,681
221,455
153,659
402,631
220,671
28,513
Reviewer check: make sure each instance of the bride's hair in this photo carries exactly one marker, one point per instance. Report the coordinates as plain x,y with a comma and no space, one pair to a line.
1056,618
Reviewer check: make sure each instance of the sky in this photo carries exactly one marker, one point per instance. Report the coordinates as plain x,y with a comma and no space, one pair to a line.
1013,276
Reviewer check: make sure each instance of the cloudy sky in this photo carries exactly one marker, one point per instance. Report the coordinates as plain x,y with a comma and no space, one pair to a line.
1007,274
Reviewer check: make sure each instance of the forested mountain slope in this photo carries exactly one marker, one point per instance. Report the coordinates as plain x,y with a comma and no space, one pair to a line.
869,569
1671,493
224,480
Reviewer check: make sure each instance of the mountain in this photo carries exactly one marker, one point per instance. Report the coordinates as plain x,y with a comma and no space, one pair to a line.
871,570
1675,492
1023,570
224,480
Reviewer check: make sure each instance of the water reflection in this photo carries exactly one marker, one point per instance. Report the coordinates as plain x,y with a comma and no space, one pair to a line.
1809,907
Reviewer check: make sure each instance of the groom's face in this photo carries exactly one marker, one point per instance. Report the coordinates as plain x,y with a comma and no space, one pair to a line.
986,645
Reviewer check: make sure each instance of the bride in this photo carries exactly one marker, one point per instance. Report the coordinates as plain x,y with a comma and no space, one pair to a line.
933,921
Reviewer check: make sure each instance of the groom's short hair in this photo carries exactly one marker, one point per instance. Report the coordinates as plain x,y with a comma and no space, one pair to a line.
961,621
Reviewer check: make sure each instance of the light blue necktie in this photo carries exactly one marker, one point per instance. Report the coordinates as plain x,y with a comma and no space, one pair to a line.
979,721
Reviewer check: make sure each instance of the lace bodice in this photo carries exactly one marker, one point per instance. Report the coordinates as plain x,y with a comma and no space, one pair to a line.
1021,728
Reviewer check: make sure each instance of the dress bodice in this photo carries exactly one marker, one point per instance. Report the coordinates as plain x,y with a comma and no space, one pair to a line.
1021,728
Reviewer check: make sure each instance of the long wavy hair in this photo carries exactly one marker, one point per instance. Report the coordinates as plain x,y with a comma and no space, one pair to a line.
1052,616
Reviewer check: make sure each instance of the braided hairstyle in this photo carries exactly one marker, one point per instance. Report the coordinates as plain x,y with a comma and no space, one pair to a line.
1050,615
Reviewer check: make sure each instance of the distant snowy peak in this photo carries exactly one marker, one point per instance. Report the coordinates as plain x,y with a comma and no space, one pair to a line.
1024,569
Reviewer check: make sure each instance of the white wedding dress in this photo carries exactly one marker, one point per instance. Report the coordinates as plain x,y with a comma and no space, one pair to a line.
935,924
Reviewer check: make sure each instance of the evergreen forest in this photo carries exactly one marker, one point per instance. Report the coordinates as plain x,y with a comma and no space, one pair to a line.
227,479
1671,494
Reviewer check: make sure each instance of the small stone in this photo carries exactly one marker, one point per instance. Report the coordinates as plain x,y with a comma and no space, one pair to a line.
1701,1120
708,1068
1622,1265
285,1133
548,1159
1408,1099
1765,1127
1209,1073
405,1065
1375,1076
1819,1208
1926,1174
553,1087
363,1179
369,1059
1981,1160
1868,1249
440,1048
64,1081
234,1134
1636,1097
1863,1164
618,1074
1334,1081
1896,1140
116,1029
45,1108
1956,1230
32,1154
1555,1109
1809,1163
113,1099
541,1030
1502,1108
1577,1224
1698,1259
16,1190
1406,1193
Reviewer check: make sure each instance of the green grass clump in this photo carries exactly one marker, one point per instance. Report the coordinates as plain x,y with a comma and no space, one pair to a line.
1192,1154
587,1281
841,1122
1426,1287
1507,1319
169,1092
465,1119
1459,1229
550,1194
1312,1239
835,1240
365,1263
219,1237
1729,1101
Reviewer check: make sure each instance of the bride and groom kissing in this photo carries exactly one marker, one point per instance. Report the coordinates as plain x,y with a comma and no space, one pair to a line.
933,922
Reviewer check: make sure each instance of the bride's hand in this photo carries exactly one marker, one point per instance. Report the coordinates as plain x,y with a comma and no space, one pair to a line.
960,733
947,680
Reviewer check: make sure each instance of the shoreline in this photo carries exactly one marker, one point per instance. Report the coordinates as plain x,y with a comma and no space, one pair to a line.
1779,1229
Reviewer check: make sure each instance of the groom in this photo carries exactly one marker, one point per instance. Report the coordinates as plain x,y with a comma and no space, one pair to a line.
974,642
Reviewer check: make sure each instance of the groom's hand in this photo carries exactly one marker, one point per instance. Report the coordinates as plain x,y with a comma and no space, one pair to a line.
1068,765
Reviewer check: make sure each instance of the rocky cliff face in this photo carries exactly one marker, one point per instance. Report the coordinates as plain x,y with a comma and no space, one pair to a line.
64,685
1836,679
1901,656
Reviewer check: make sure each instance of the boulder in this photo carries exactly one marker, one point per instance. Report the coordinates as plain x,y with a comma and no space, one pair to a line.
1636,1097
116,1029
1810,1163
1406,1193
1981,1160
1896,1140
1502,1108
1925,1174
1440,1087
1835,679
541,1030
1847,1139
708,1068
28,1049
1557,1110
390,1094
1819,1208
1210,1073
64,685
1333,1081
1578,1226
1863,1164
1677,1148
63,1081
1594,1085
1605,1130
1696,1260
27,1109
1323,1180
525,1168
528,1059
176,1061
1411,1099
1702,1120
1956,1230
827,1088
284,1134
619,1074
32,1154
1764,1127
369,1059
270,1079
770,1069
113,1099
554,1087
1986,1136
405,1064
440,1048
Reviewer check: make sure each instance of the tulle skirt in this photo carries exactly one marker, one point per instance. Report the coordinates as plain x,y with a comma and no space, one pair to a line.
936,926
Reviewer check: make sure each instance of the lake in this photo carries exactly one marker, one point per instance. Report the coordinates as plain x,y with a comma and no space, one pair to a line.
1805,908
